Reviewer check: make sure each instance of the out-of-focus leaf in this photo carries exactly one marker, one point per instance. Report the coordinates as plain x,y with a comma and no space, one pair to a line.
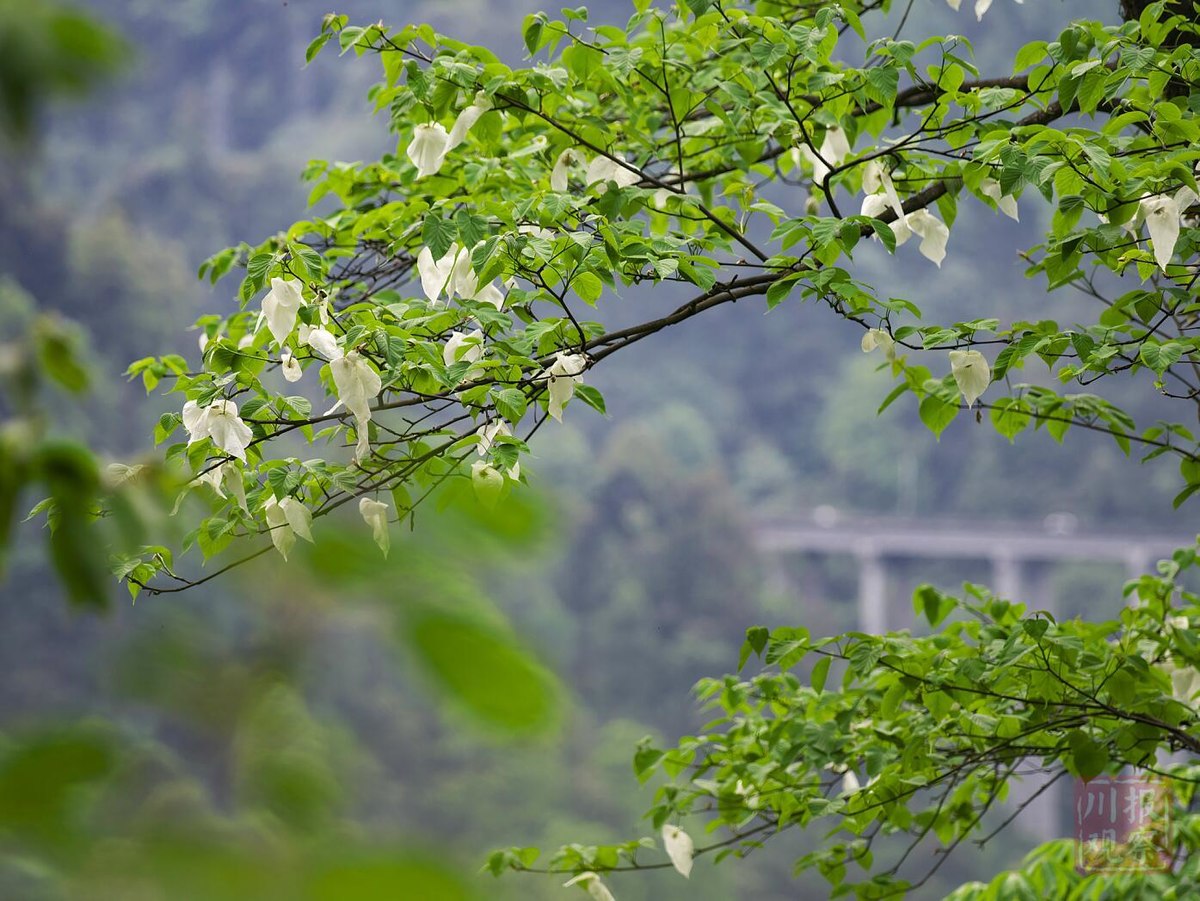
69,473
483,669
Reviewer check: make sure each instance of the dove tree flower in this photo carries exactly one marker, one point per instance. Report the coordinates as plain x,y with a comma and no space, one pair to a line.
833,152
562,166
357,384
462,347
428,148
281,306
602,170
290,366
1006,203
220,422
877,338
971,373
679,847
288,519
561,378
431,142
375,515
592,884
323,342
1163,215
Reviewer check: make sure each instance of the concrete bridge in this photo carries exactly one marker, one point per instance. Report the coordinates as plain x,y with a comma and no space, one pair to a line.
1008,548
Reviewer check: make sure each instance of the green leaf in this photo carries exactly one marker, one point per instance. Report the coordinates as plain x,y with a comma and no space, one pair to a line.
511,404
937,413
483,669
588,286
438,234
1088,757
820,672
591,397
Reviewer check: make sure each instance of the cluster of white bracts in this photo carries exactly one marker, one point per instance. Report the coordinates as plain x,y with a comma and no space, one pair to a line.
970,368
431,142
679,847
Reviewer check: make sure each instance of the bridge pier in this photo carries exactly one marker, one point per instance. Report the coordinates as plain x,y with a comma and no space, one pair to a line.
872,591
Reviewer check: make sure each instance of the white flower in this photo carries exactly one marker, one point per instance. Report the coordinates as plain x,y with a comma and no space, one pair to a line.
566,159
1006,203
1185,683
954,4
680,849
290,366
877,337
428,148
357,385
487,482
874,205
603,170
875,179
203,341
467,347
245,341
932,232
467,118
850,783
280,307
227,475
435,273
590,882
452,274
323,343
562,376
1178,622
834,149
375,514
220,422
490,294
1162,215
489,432
971,372
287,518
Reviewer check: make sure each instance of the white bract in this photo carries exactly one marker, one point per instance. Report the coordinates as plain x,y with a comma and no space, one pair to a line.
850,783
220,422
357,385
459,346
1163,216
287,518
280,307
680,849
1006,203
466,119
602,170
591,883
834,150
431,142
375,515
562,376
453,275
875,179
981,6
933,234
971,373
428,148
290,366
489,432
558,175
877,337
324,343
